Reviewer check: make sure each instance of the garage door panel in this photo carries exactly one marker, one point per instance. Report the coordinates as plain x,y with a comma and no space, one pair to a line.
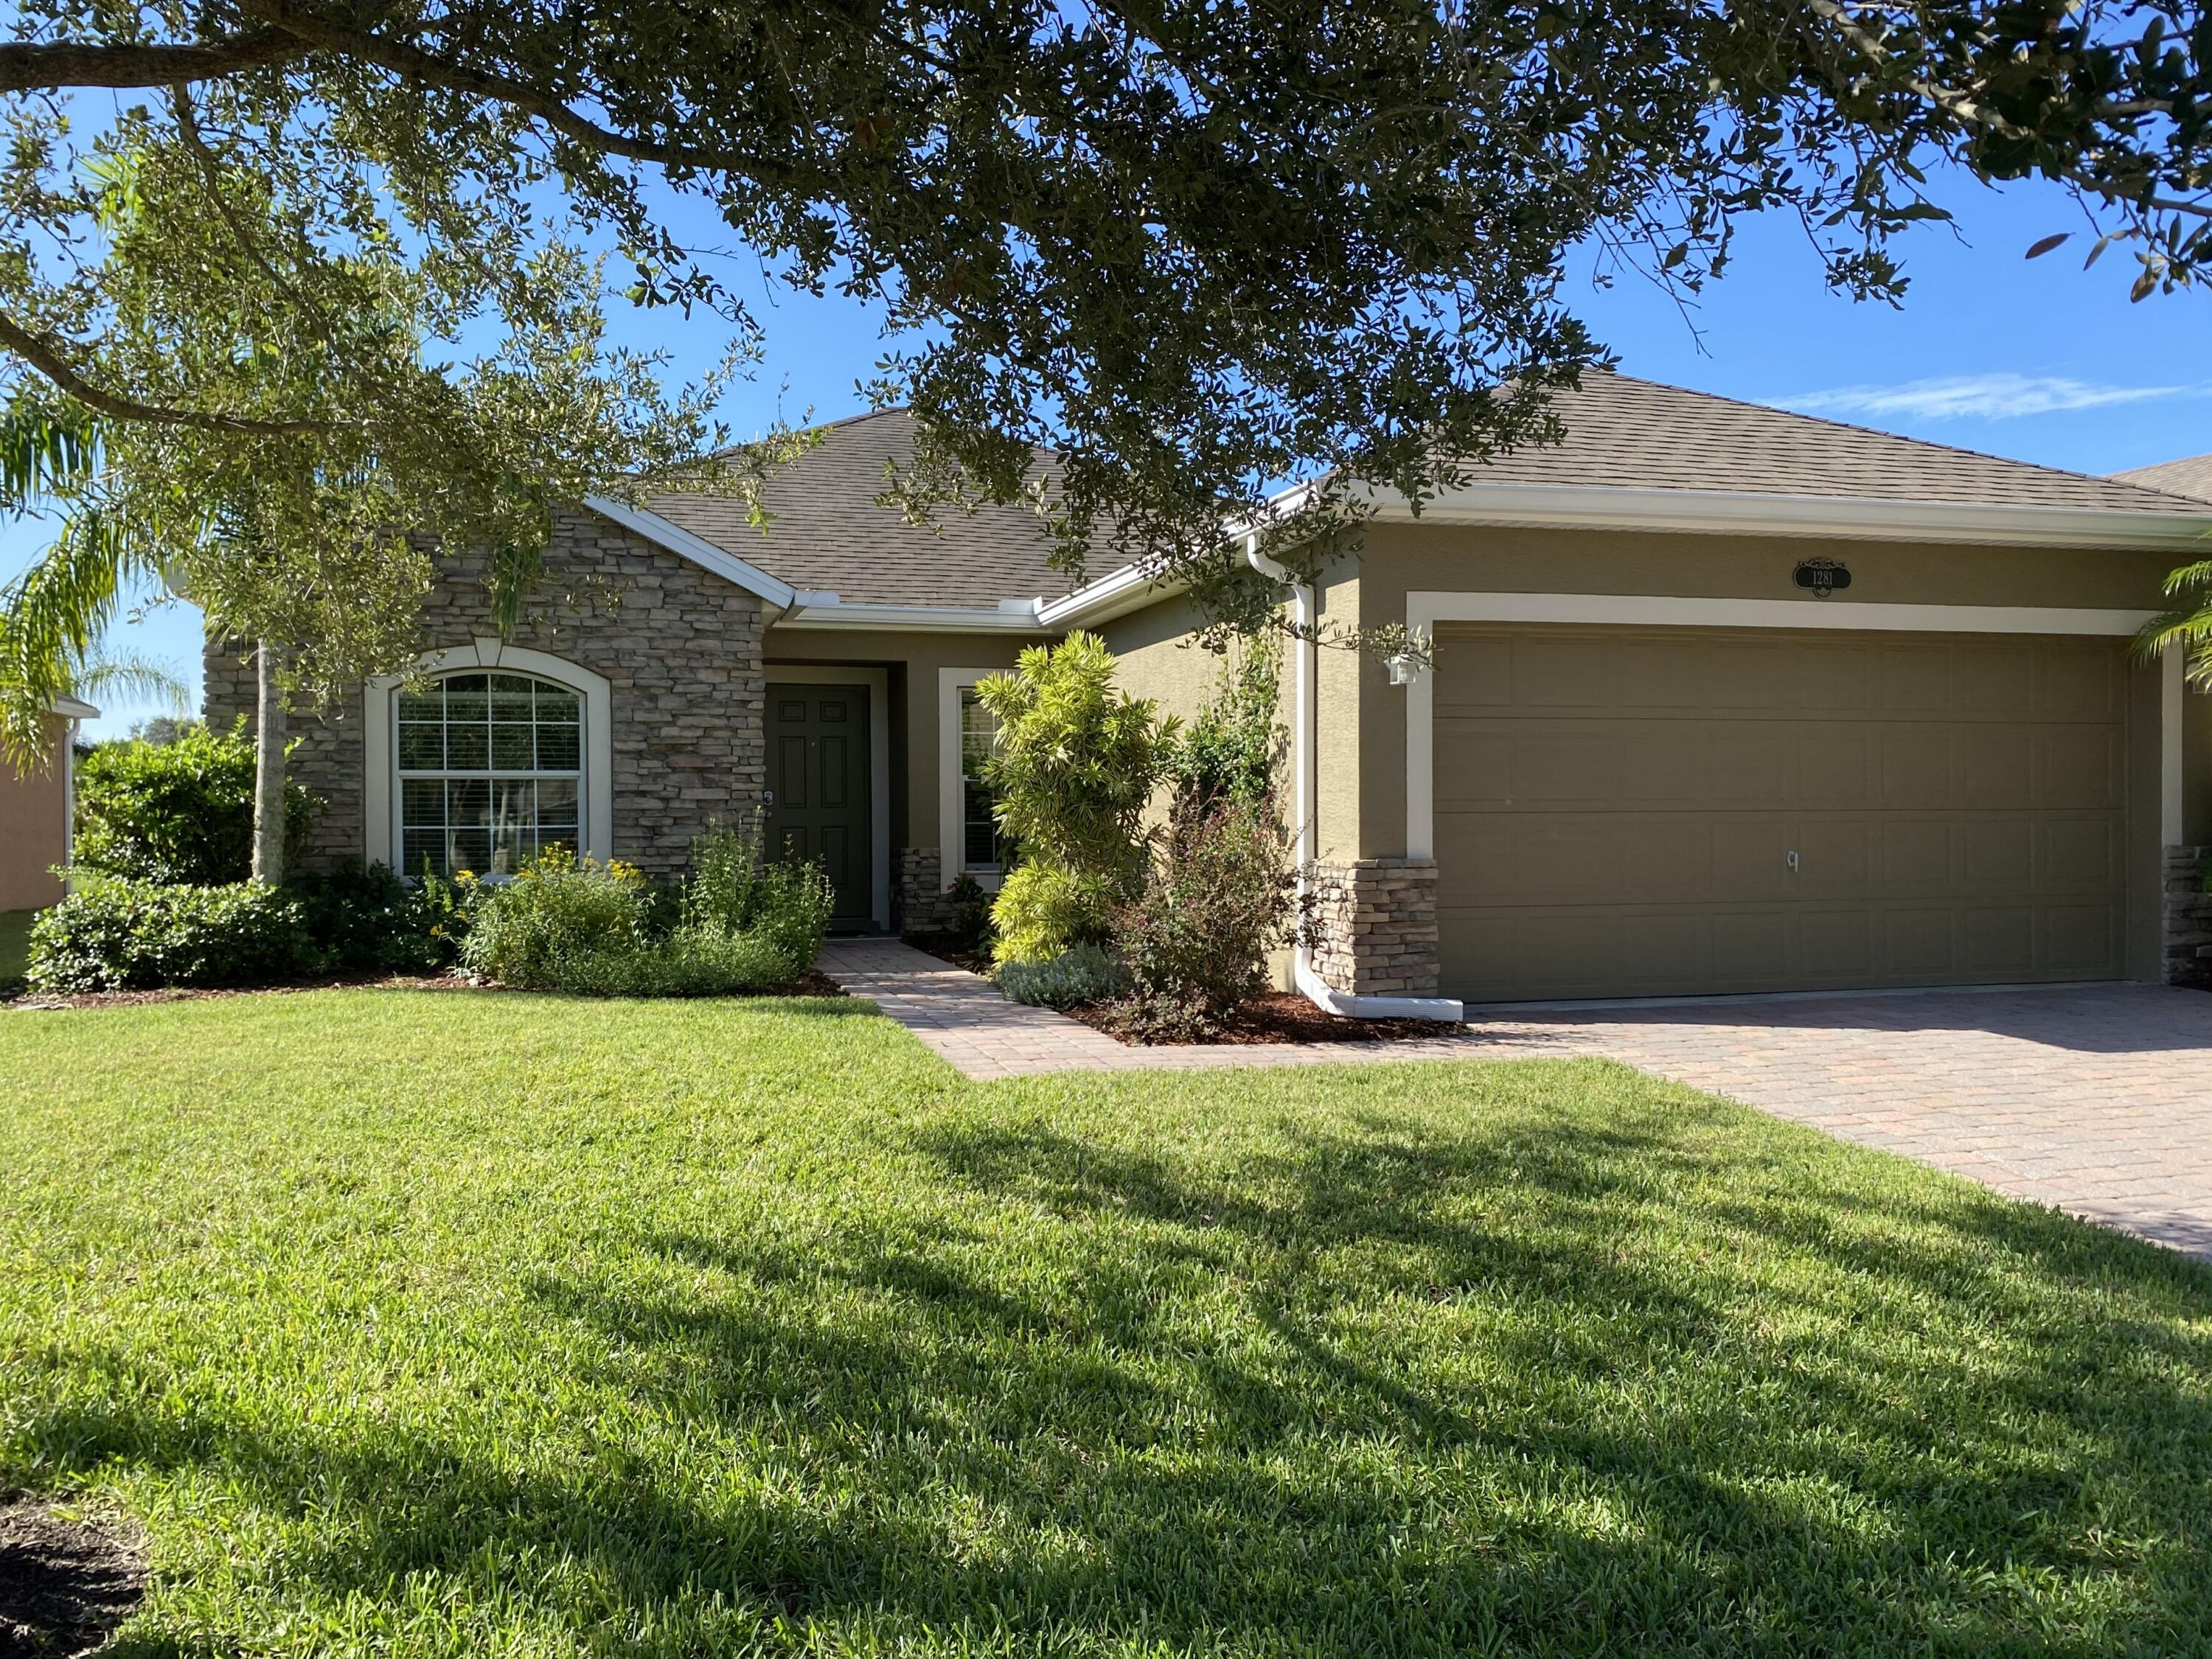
2079,683
1997,768
1999,853
2077,855
1615,818
2079,767
1995,681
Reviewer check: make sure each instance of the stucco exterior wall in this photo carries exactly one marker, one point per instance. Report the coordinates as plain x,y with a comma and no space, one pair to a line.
34,820
679,645
1398,558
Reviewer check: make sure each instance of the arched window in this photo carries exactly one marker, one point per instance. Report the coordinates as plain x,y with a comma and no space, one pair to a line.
491,772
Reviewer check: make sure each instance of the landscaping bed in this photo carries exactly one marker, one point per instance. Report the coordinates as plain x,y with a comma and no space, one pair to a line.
415,1326
1273,1016
811,983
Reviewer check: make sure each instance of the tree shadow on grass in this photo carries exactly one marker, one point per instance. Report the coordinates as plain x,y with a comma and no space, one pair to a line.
1372,1390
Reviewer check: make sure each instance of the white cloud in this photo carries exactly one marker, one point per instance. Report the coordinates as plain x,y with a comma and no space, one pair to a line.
1981,397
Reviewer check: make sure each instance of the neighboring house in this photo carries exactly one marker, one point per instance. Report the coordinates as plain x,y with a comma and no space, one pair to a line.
1649,758
35,809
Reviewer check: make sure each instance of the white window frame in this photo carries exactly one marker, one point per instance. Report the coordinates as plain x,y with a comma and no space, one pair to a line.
1424,608
951,795
595,810
877,682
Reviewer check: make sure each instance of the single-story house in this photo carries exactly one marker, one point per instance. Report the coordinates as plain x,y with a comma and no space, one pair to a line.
36,808
1722,699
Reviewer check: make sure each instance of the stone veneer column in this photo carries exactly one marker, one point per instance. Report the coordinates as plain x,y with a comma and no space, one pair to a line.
679,645
2187,916
920,905
1375,921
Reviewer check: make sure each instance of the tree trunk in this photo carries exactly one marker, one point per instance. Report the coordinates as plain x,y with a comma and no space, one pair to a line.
268,768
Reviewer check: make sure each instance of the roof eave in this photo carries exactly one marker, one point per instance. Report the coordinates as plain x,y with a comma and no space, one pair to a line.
1753,513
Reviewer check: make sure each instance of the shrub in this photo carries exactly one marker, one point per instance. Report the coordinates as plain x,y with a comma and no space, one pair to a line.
1235,743
1216,901
112,933
733,891
575,925
1071,771
1080,973
1044,909
558,910
971,913
177,811
370,919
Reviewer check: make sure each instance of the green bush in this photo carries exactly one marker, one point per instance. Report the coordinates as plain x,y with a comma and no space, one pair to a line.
1080,973
1216,902
112,933
567,924
180,811
1235,745
1044,909
1071,771
369,920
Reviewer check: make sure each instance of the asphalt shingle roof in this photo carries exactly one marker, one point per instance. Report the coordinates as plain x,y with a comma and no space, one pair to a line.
1640,434
2191,478
829,533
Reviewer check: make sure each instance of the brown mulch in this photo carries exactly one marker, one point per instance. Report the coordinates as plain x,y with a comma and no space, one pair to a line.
1275,1016
811,983
63,1585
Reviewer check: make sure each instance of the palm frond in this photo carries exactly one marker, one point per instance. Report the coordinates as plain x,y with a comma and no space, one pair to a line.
51,619
46,454
143,679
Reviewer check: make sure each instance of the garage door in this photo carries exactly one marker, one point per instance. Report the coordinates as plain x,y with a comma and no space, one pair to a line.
1630,812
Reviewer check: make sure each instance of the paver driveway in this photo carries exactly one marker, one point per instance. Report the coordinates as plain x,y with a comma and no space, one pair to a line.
2098,1101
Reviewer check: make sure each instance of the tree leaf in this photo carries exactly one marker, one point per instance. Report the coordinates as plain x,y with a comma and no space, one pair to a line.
2044,245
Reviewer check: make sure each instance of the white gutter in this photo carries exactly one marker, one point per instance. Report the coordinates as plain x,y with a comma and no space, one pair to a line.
828,610
1305,774
1743,512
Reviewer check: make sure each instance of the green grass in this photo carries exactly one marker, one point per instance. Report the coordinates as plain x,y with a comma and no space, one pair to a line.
14,946
414,1323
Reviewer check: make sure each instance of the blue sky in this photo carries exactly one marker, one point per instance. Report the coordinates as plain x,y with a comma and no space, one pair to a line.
2038,359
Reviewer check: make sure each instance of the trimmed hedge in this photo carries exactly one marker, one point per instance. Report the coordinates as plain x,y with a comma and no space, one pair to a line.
179,812
115,934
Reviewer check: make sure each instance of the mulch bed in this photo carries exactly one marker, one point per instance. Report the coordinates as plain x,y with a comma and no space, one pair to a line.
63,1585
1277,1017
811,983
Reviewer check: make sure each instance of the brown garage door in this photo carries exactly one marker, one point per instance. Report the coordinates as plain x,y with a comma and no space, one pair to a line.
1630,811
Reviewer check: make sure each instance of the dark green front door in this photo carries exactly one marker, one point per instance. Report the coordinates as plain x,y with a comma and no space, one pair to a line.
817,781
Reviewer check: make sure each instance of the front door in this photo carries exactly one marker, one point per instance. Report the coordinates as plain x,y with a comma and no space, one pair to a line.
817,781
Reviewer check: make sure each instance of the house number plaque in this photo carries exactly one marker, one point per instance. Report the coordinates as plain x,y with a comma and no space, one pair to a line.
1822,576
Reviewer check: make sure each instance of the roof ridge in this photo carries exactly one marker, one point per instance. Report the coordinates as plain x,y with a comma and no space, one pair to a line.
1894,437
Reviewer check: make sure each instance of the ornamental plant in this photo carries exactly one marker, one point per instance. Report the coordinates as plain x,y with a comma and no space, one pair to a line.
1072,769
180,812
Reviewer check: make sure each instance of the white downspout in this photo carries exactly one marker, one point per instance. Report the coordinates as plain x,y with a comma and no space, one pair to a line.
1304,744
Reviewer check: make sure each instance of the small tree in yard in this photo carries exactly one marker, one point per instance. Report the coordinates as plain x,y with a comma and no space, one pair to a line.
1074,767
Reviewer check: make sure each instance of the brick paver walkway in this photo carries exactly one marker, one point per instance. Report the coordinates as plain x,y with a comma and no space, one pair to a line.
2098,1101
964,1017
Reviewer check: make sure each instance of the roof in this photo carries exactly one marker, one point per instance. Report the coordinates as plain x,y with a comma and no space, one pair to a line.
1635,455
1630,434
2191,478
828,532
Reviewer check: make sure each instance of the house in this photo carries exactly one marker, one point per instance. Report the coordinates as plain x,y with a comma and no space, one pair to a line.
1722,699
35,810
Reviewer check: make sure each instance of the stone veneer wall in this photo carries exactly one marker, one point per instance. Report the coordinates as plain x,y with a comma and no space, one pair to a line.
680,646
920,904
2188,918
1375,922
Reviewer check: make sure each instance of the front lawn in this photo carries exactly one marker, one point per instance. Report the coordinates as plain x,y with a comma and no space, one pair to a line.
428,1322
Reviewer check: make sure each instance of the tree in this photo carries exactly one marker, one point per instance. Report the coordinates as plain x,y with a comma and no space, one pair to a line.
1196,250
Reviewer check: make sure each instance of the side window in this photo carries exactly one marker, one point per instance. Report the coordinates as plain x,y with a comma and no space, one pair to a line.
979,828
